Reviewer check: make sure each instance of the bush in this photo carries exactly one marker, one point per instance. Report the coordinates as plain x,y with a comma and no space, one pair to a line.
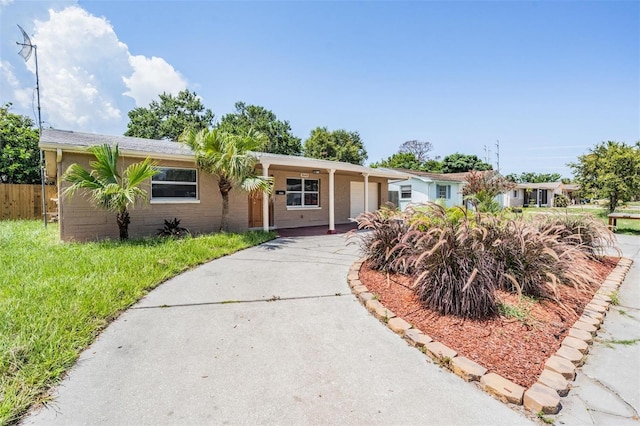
560,200
459,260
454,274
172,228
585,232
382,245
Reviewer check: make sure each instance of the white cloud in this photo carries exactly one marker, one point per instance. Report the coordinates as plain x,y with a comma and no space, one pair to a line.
5,2
152,76
22,97
7,73
87,75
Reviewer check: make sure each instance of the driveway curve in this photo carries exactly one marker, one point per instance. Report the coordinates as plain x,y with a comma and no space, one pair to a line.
268,335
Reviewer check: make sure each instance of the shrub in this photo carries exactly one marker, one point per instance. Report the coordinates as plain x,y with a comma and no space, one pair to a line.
560,200
172,228
454,273
586,232
382,245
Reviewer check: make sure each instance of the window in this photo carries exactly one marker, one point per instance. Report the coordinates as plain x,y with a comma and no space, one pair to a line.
303,192
515,193
405,191
174,184
443,191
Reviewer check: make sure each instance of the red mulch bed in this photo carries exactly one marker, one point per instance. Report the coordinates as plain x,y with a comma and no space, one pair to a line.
512,348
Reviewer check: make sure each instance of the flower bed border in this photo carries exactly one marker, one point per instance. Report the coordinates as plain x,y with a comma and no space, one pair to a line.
559,370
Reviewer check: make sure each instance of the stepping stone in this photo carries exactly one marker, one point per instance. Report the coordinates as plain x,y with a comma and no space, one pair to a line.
354,283
578,344
571,354
585,336
365,297
561,366
585,327
603,297
359,289
589,320
398,325
593,314
417,338
438,351
555,381
469,370
505,390
600,303
540,398
379,311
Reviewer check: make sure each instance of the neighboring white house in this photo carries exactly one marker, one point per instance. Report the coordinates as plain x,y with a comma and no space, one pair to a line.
423,187
539,194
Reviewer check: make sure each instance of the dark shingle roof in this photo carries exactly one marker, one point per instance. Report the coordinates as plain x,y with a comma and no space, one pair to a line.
67,139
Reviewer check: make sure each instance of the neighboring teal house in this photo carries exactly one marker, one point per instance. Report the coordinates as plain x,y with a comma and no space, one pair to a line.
422,187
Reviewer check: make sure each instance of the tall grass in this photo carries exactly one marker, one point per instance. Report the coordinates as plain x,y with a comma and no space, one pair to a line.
55,298
459,260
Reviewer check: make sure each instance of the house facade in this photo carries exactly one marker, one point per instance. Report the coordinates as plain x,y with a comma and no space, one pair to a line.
539,194
307,191
422,187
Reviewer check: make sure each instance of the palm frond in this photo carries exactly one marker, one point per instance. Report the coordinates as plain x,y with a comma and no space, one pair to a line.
106,163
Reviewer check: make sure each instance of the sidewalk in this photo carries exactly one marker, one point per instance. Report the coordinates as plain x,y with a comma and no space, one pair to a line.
607,388
269,335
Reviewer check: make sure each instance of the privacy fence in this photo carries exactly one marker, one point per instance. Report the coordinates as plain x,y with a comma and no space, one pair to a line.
25,201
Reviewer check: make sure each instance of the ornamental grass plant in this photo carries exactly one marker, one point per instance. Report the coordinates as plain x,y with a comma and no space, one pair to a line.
459,260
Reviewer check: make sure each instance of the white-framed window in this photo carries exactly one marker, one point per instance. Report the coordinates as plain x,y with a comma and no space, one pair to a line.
443,191
515,193
174,184
405,191
303,193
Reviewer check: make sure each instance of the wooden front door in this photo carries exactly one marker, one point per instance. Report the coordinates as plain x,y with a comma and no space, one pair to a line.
255,210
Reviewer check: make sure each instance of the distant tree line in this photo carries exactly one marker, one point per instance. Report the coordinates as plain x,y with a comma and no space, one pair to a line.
169,117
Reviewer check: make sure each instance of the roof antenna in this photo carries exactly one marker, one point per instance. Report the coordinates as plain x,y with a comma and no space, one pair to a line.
25,52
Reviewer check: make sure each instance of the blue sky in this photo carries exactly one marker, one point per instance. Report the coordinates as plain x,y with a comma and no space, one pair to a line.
547,79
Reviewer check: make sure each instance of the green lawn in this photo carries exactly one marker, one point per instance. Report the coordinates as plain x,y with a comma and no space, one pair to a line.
625,226
55,298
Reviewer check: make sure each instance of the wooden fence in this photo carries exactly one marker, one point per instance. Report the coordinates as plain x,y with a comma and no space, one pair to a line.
25,201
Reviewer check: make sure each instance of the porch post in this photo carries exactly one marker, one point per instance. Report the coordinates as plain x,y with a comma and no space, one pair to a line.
366,192
332,217
265,200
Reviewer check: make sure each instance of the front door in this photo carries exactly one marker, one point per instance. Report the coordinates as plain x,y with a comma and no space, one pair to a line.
255,210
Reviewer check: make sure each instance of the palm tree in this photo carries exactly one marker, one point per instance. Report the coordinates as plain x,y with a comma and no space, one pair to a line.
229,158
106,187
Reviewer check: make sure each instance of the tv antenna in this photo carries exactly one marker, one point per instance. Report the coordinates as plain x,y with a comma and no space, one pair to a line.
25,52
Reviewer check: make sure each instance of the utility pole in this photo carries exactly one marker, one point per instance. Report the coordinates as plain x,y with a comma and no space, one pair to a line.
498,155
25,52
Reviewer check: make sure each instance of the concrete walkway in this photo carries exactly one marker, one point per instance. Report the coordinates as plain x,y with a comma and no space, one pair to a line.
607,388
207,347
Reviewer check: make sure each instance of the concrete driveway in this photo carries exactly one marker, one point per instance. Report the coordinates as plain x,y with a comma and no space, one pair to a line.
269,335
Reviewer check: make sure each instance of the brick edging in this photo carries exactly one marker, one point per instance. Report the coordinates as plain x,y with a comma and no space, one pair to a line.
559,370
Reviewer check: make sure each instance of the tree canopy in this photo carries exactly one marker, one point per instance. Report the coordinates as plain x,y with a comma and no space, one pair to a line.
279,138
419,149
460,163
19,152
531,177
483,186
169,117
337,145
610,169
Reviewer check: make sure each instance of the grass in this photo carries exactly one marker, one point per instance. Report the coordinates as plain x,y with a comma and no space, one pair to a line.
55,298
521,311
624,226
